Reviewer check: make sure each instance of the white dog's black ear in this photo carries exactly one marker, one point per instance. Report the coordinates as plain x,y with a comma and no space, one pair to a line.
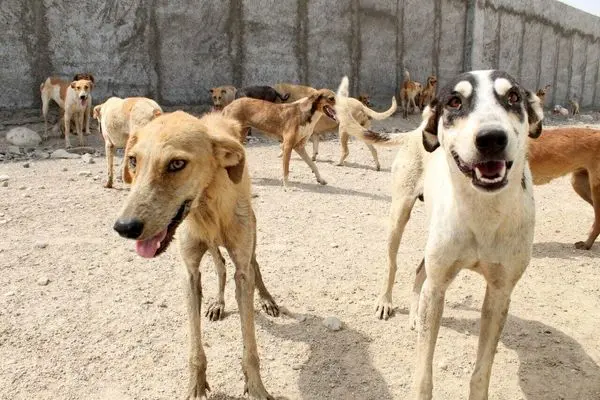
231,156
535,114
430,137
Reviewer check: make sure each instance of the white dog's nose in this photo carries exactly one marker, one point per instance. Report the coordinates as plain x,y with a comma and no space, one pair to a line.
490,142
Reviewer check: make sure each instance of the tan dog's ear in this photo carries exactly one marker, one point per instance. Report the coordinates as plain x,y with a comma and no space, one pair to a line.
73,85
96,113
535,114
91,84
432,114
156,113
231,156
211,90
127,178
223,91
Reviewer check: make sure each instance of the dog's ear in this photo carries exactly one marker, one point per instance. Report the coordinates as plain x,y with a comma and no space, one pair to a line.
231,155
96,114
211,91
310,101
432,114
73,85
127,177
535,114
156,113
223,92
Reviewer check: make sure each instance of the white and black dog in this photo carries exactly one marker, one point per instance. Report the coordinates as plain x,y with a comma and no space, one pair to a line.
468,159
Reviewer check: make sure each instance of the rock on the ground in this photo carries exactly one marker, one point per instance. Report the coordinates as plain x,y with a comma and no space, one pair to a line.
62,153
41,154
23,137
84,173
43,281
5,184
82,150
14,150
87,158
332,323
4,178
40,245
26,165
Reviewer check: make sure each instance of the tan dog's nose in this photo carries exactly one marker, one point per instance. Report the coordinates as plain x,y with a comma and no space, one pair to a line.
129,228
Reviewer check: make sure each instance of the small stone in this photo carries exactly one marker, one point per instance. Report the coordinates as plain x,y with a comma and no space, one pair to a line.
5,184
301,317
443,365
9,294
43,281
297,367
62,153
23,137
65,169
26,165
335,245
96,178
14,149
22,187
41,154
4,178
332,323
40,245
85,173
87,158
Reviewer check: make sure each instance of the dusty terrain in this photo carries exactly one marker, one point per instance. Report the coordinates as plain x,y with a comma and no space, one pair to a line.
82,316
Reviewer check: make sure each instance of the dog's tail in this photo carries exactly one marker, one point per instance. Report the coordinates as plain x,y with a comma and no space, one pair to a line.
352,127
283,97
382,115
406,75
47,81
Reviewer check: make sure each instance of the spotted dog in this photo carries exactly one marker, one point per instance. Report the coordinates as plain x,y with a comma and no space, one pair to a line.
468,158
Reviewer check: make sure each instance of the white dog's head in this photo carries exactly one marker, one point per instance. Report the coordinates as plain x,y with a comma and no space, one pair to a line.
482,120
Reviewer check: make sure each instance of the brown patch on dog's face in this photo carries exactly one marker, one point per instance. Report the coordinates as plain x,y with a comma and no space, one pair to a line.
83,89
84,76
324,101
170,163
365,99
431,80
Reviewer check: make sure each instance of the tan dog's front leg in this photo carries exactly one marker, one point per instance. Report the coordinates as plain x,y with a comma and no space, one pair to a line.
344,145
493,317
301,150
241,256
67,122
79,126
192,252
315,142
287,154
110,152
216,308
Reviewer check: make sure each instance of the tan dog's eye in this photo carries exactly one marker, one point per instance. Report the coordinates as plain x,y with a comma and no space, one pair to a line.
513,97
331,98
176,165
132,162
455,103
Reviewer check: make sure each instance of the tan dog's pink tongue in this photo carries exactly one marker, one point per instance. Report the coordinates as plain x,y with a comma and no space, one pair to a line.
147,248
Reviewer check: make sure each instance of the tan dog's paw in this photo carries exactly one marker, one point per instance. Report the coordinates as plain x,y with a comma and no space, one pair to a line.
108,184
322,181
215,310
257,392
197,390
582,246
269,306
384,308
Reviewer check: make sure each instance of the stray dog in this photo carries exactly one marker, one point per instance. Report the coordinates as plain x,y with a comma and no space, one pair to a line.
190,175
291,123
222,96
409,92
428,93
266,93
478,193
563,151
293,91
365,99
56,89
574,105
541,93
117,119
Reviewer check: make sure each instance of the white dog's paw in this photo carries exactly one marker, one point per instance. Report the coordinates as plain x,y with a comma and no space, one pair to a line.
384,308
215,310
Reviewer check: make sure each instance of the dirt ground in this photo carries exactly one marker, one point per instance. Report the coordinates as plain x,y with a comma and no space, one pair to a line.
82,316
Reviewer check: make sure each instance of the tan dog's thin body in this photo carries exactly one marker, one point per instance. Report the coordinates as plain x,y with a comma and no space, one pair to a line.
291,123
541,93
221,96
409,92
429,92
190,175
574,105
468,159
118,118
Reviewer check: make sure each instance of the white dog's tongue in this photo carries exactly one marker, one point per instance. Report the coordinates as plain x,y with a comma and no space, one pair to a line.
491,168
147,248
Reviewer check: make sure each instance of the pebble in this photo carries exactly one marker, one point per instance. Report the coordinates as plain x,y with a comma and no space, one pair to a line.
332,323
87,158
9,294
4,178
443,365
43,281
297,367
65,169
84,173
5,184
22,187
40,245
26,165
62,153
335,245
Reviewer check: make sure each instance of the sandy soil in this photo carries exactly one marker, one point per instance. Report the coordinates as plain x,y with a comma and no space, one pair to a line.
110,325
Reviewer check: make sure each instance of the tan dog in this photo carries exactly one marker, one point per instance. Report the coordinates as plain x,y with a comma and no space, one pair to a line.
222,96
190,175
291,123
574,105
429,92
117,119
409,92
541,93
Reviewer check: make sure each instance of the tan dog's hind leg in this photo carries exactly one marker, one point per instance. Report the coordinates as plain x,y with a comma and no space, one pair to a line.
241,255
45,104
285,159
266,300
420,276
301,150
594,188
399,216
581,184
374,154
67,122
315,142
216,308
109,149
344,145
192,252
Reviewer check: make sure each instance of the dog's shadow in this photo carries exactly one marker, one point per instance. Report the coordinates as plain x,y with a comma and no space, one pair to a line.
338,366
349,164
566,251
315,187
552,365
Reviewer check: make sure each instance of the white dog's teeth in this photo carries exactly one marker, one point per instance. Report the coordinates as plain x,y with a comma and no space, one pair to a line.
157,245
478,174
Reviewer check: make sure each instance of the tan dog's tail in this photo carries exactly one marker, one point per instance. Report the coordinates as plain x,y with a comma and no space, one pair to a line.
352,127
382,115
406,75
43,84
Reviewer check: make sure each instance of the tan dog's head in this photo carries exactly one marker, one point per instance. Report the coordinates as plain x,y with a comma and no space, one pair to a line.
323,101
222,96
481,120
432,81
83,89
170,163
365,99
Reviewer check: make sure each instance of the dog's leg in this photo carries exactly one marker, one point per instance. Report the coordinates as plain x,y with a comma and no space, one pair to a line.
280,150
267,303
581,184
86,118
420,276
192,252
285,159
493,317
109,149
399,216
594,184
374,154
216,308
301,150
67,121
79,127
344,145
45,104
315,142
244,294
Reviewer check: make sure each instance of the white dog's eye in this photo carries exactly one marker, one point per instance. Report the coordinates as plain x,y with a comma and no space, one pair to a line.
455,103
513,97
132,162
176,165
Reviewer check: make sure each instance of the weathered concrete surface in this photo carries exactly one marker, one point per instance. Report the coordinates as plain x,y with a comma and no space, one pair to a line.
175,50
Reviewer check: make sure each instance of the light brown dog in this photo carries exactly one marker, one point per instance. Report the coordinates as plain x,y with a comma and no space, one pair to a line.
190,175
574,105
222,96
575,151
290,123
409,92
428,92
541,93
117,119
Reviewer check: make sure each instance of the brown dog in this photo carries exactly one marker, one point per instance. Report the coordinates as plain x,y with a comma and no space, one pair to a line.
541,93
222,96
570,150
409,92
291,123
190,175
429,92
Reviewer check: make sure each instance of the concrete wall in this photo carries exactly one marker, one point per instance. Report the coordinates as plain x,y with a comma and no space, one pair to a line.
175,50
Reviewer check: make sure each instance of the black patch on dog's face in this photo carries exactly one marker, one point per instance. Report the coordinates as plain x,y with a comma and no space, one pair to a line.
524,182
515,108
447,93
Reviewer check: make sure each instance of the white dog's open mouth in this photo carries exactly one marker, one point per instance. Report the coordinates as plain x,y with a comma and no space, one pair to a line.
488,175
330,112
158,243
